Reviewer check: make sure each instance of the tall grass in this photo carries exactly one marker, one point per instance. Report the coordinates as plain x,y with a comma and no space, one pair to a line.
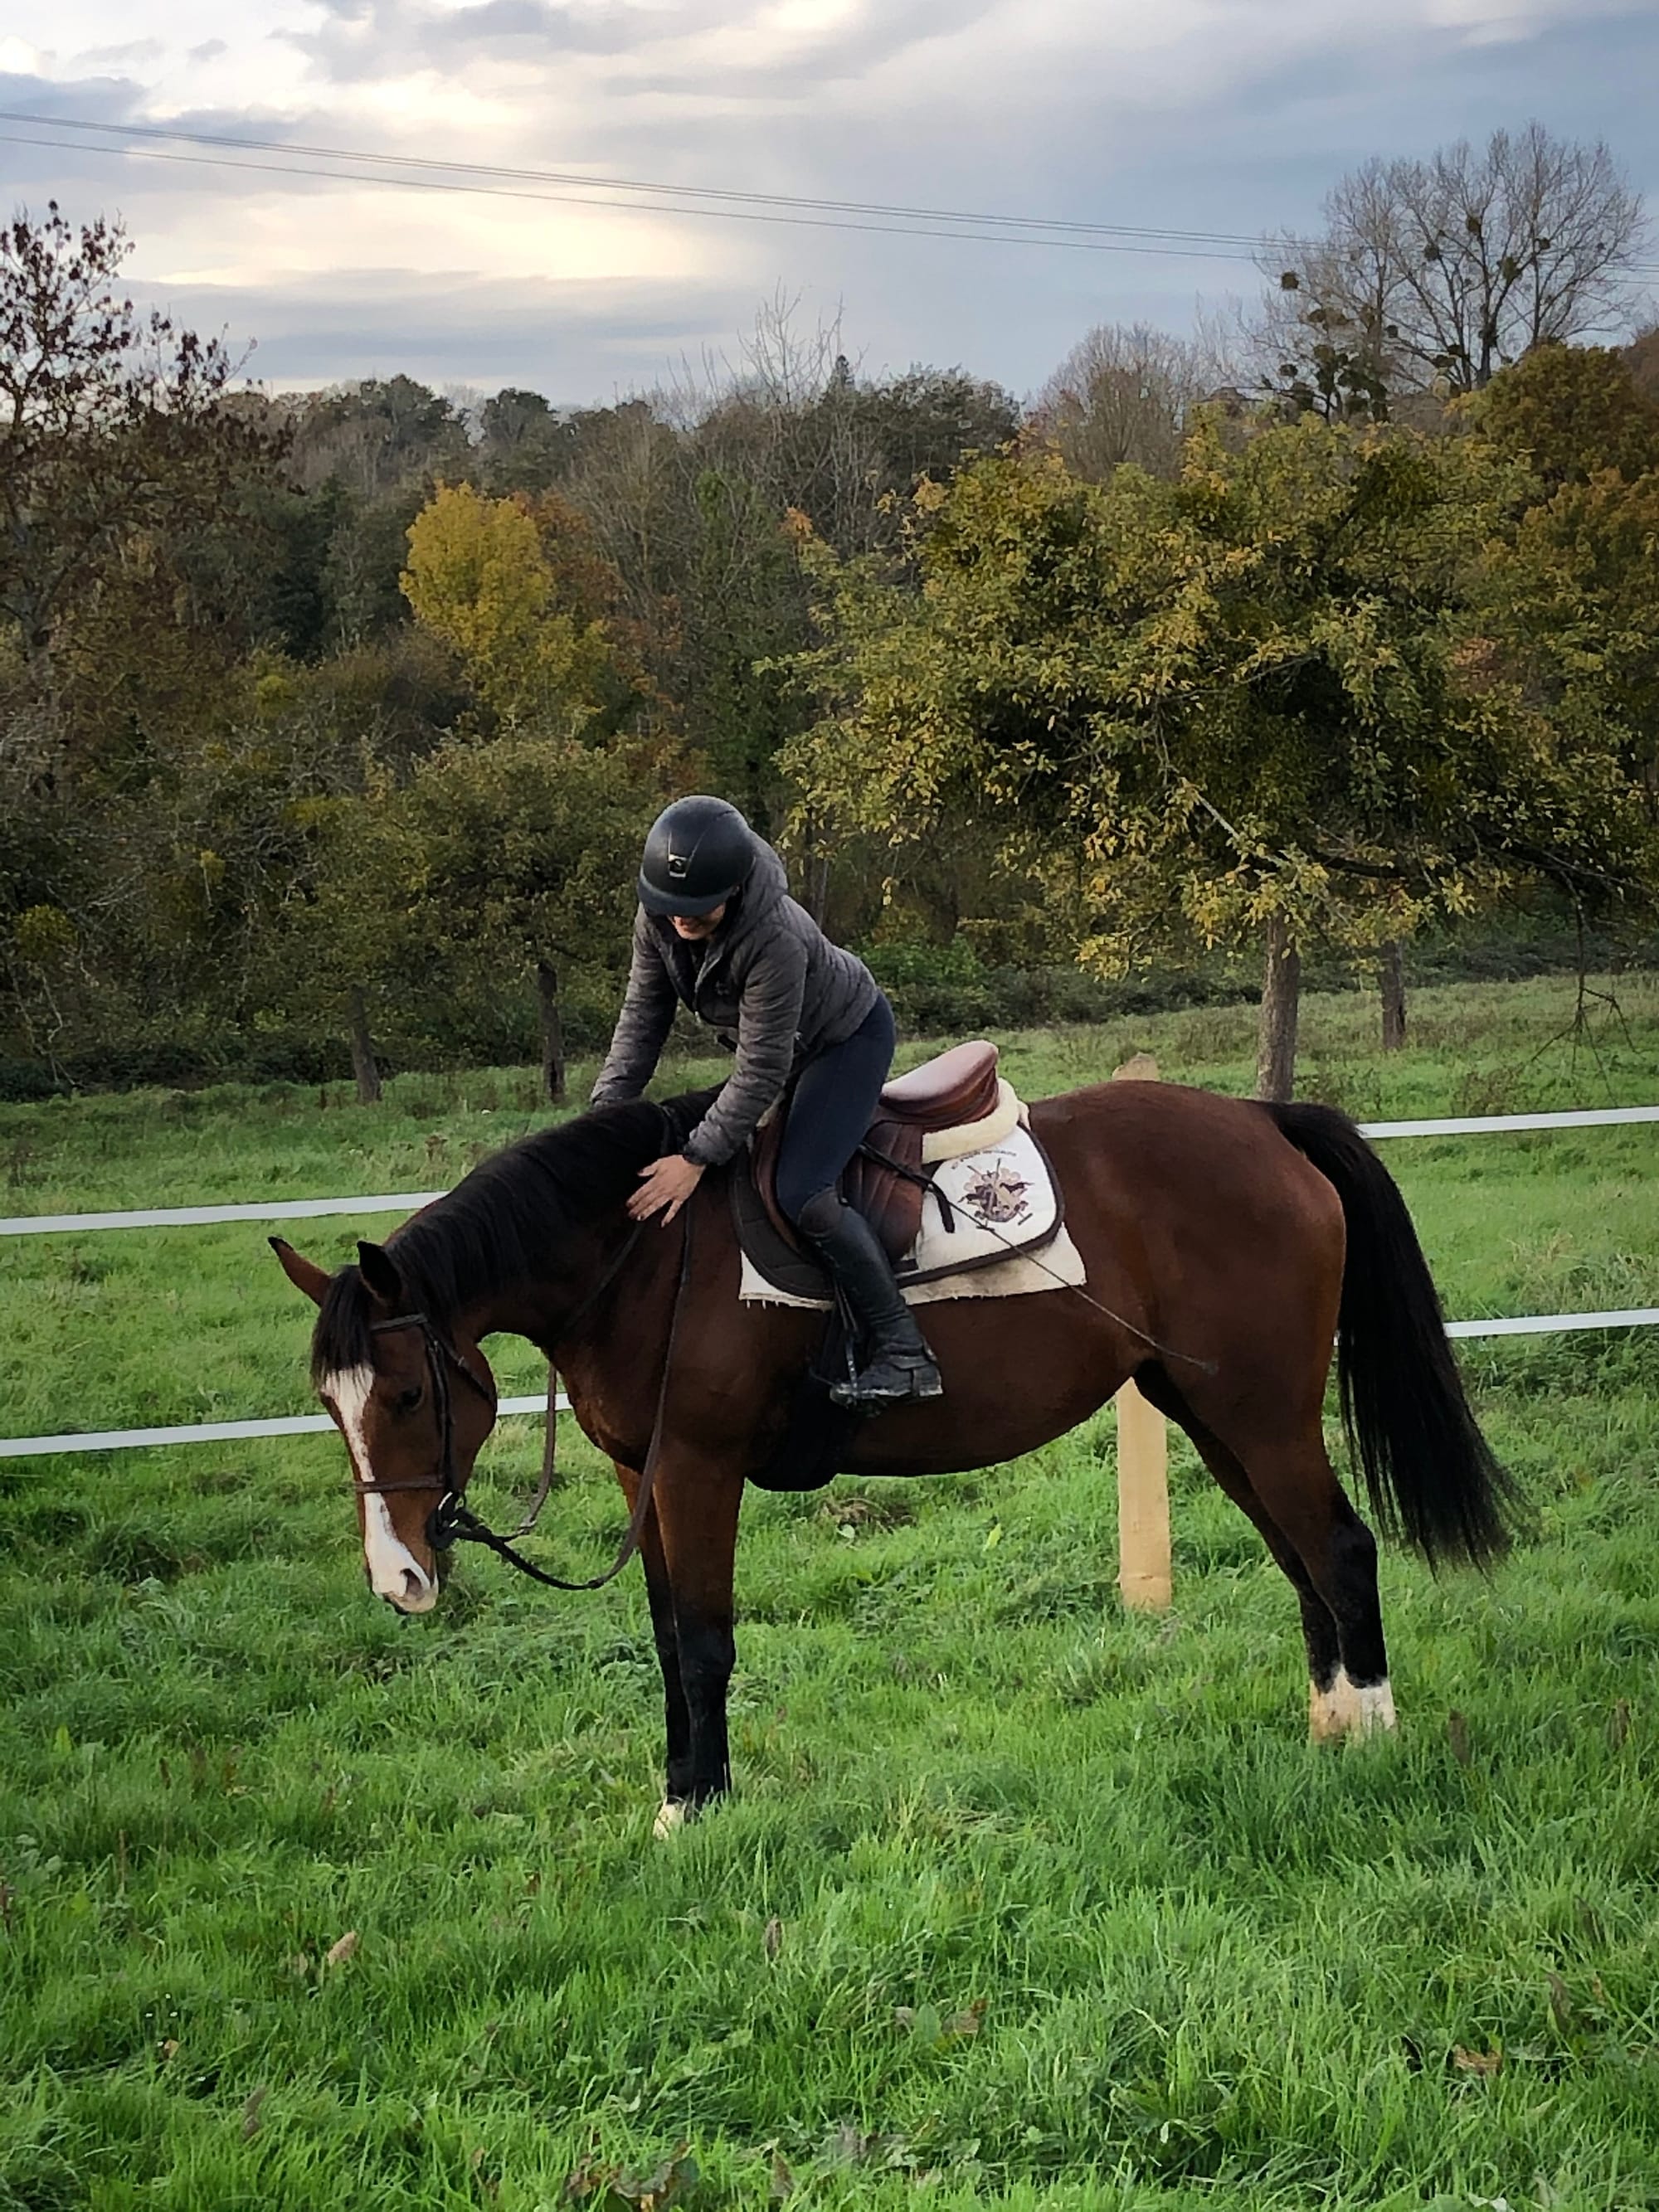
1022,1900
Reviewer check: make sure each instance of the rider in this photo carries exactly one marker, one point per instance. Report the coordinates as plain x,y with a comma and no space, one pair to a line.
717,930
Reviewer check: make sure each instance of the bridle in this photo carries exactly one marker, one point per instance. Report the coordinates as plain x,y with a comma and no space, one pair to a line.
452,1520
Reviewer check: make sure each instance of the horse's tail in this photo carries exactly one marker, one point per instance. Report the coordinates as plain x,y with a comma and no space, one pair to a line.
1430,1475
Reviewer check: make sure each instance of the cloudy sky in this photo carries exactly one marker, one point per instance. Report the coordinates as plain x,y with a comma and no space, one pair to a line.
1226,117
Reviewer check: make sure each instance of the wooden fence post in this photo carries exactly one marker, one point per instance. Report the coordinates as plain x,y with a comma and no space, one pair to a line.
1143,1463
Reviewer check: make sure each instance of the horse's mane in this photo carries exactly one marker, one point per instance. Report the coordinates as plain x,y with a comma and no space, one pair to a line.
506,1221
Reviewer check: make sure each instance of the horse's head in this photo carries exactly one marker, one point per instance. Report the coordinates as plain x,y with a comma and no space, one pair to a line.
413,1403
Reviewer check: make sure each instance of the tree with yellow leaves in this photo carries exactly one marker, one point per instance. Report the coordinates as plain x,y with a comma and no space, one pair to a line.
479,576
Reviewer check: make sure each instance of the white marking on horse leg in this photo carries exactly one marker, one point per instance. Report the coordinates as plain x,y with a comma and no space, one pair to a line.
393,1570
671,1819
1374,1712
1332,1713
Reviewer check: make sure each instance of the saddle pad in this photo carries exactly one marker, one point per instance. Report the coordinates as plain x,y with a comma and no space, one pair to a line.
1058,1266
1000,1202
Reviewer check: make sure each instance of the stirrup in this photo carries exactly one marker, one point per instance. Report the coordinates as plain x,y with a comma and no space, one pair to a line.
891,1379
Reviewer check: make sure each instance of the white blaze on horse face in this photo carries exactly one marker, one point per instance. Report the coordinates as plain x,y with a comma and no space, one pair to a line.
393,1570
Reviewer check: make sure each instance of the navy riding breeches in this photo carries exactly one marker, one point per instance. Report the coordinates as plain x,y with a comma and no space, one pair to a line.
831,1108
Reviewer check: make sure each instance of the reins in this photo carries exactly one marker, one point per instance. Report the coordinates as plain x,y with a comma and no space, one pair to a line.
453,1519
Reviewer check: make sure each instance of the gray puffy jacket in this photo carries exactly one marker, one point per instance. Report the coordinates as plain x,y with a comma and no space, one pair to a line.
769,978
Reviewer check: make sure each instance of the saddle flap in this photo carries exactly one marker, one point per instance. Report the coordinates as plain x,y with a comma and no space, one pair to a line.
892,1206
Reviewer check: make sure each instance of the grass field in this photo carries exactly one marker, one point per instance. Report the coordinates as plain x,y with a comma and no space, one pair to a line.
1021,1899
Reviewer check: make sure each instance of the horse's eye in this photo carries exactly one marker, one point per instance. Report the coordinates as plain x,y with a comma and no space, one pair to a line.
410,1399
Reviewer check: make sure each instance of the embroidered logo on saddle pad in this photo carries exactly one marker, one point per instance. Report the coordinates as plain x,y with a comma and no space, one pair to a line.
1000,1195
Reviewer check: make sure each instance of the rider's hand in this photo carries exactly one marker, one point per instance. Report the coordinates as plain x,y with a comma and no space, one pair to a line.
665,1184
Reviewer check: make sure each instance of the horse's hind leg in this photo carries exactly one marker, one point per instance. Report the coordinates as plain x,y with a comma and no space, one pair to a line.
1298,1486
1341,1620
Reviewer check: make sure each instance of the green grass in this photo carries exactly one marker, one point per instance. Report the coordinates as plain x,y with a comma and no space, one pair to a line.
1067,1912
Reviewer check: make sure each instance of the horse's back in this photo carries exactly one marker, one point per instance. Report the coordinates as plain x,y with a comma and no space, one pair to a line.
1191,1180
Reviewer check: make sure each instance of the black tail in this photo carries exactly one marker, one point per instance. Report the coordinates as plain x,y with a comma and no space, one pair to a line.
1428,1473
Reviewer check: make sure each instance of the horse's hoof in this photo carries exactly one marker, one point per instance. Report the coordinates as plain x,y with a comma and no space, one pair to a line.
1374,1710
1332,1712
1350,1711
671,1819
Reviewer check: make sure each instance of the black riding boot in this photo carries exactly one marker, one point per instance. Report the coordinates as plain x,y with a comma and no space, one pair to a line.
897,1365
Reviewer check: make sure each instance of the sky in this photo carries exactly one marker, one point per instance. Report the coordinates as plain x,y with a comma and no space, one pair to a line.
1230,116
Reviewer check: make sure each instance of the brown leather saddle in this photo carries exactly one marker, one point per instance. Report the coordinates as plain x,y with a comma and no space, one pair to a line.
886,1181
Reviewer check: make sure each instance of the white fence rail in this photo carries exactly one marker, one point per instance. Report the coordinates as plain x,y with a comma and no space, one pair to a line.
186,1217
405,1201
214,1432
305,1425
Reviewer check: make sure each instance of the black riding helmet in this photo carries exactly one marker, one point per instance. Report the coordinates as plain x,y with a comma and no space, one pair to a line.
699,852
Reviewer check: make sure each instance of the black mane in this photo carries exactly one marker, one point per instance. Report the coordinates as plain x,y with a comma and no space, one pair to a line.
501,1222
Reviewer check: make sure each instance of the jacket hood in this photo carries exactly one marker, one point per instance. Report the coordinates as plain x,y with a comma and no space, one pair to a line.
765,886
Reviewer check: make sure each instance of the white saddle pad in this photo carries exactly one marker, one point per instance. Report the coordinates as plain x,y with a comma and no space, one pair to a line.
1006,1241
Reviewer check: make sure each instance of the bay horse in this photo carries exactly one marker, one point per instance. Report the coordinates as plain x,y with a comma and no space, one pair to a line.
1228,1245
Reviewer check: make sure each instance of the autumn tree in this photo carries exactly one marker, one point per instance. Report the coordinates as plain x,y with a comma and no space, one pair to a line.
1125,393
520,616
1241,706
1567,606
1570,413
112,426
500,867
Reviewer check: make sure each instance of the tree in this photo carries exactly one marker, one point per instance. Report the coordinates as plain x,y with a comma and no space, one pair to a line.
376,437
112,425
499,864
927,422
1125,393
1570,413
1567,595
523,445
1338,381
1433,274
479,577
1248,704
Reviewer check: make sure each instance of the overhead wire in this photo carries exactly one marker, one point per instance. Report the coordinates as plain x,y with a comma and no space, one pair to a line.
576,188
628,184
770,208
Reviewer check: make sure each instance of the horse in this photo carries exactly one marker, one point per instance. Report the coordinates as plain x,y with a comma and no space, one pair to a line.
1228,1244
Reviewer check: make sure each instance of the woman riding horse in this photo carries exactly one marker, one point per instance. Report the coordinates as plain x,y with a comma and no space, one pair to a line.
716,931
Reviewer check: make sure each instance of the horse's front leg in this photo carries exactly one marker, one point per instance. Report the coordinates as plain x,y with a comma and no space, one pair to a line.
695,1507
676,1714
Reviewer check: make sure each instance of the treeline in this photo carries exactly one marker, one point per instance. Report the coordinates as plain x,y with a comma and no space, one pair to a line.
332,723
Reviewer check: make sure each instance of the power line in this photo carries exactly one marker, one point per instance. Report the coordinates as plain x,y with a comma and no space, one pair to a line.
771,208
894,220
633,184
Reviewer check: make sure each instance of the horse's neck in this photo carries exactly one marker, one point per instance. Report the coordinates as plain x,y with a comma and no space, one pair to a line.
550,1312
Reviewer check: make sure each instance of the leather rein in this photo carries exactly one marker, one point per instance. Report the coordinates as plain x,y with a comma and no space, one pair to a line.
452,1520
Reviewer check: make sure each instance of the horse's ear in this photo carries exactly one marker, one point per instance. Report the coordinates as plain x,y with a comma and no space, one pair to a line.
305,1274
379,1272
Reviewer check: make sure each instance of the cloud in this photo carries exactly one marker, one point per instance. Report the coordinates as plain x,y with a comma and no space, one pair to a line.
1202,114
